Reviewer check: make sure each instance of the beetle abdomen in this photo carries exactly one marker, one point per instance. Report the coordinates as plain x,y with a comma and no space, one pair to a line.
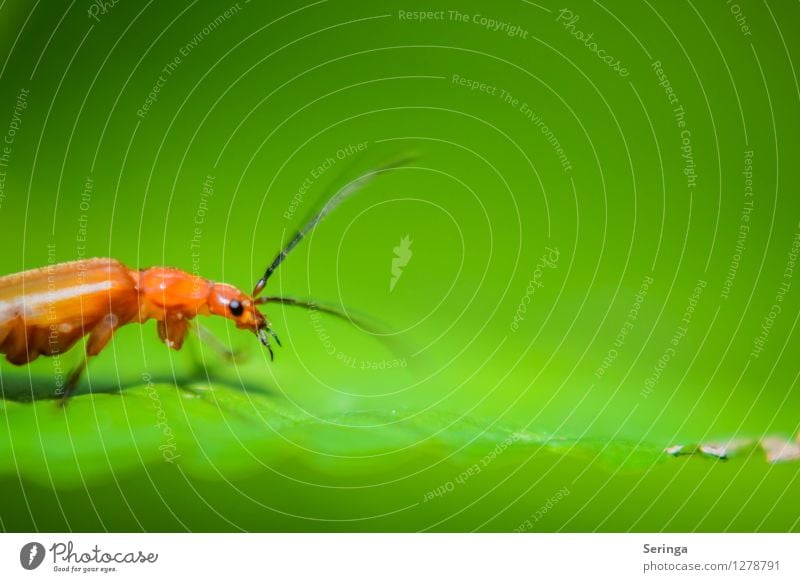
23,344
46,311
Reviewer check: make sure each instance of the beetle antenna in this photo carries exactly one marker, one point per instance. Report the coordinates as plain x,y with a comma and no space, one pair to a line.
329,207
313,306
365,323
359,321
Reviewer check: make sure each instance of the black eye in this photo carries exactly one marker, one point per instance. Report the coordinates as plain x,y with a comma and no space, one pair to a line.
236,308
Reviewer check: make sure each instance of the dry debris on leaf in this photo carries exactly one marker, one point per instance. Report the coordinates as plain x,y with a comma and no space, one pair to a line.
776,449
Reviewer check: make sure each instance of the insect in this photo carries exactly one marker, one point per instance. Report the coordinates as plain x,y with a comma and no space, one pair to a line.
44,312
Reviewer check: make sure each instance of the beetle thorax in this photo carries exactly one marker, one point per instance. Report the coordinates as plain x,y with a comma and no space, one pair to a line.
165,292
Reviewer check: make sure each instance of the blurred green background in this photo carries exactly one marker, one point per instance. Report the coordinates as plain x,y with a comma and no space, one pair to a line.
596,251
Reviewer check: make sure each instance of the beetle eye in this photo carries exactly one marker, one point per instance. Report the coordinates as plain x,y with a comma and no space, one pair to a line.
236,308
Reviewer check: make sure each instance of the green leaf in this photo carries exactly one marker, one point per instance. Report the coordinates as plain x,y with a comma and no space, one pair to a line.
222,443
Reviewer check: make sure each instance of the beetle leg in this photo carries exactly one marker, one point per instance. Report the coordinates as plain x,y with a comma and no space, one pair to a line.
206,336
5,331
172,332
98,339
14,342
72,381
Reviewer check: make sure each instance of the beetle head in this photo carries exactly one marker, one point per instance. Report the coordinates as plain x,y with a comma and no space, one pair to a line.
230,303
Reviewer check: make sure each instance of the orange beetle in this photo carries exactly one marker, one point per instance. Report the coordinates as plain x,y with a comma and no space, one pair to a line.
44,312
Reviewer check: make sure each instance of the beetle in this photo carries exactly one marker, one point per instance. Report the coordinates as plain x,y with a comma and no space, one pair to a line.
45,311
